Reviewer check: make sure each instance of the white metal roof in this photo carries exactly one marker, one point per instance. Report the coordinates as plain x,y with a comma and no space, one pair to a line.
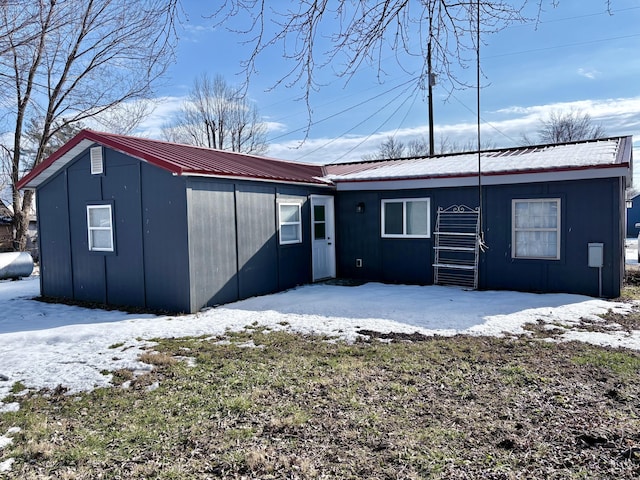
543,160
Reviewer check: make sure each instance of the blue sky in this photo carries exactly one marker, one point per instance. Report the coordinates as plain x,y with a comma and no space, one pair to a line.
578,56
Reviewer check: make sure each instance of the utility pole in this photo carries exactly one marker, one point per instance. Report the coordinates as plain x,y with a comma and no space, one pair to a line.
432,82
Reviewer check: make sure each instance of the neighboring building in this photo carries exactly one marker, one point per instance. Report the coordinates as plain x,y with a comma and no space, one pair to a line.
633,215
6,228
129,221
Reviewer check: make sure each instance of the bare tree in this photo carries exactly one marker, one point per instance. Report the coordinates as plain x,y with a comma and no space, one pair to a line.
62,61
63,132
569,126
393,148
418,147
470,145
389,148
217,115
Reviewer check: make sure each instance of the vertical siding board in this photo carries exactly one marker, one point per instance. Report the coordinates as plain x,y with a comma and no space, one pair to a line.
257,240
358,236
165,238
125,269
212,243
54,238
89,281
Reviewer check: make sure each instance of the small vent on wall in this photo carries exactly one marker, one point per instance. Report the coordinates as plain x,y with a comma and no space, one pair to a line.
97,166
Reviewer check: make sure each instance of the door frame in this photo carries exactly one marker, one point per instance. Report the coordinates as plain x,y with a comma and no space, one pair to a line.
328,201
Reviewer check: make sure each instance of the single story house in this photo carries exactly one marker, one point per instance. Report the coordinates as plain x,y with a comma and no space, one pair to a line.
137,222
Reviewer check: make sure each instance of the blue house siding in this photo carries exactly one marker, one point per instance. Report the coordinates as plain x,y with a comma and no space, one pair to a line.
89,276
591,212
358,236
294,260
140,272
164,237
125,270
56,279
394,260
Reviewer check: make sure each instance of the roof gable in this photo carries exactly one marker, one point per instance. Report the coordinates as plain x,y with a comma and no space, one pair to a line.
179,160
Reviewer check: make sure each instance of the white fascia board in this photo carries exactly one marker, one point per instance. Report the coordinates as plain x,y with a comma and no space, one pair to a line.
253,179
472,181
59,164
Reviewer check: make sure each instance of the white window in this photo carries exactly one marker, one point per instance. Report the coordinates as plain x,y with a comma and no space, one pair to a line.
100,227
536,228
290,223
406,218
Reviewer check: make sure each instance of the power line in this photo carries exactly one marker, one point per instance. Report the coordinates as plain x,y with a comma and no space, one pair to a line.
484,122
348,109
338,137
568,45
377,128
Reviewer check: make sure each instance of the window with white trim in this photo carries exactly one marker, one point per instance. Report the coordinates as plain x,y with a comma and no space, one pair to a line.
406,218
289,223
100,228
536,228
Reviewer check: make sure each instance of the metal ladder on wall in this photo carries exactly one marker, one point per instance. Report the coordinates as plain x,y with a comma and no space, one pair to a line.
457,245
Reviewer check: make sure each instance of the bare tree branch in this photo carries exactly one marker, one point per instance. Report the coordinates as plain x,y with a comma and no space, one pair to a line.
347,34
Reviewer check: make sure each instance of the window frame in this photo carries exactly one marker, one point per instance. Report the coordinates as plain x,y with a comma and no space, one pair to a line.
281,223
557,229
404,201
110,228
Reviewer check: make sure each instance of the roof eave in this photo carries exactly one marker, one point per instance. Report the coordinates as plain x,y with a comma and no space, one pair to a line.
312,182
74,147
615,170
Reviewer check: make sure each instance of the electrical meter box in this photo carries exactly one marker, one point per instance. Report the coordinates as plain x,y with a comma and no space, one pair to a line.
596,255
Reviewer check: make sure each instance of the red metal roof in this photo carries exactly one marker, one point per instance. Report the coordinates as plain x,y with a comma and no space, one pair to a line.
180,160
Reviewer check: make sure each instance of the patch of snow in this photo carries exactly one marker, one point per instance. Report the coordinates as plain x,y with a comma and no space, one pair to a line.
5,466
153,386
9,407
6,440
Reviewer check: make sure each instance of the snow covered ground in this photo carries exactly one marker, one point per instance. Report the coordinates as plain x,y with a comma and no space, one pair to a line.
46,345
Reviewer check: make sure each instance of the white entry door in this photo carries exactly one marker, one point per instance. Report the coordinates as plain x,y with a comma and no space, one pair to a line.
323,237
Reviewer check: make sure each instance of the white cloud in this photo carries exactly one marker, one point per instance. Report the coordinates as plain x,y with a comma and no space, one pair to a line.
588,73
164,110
